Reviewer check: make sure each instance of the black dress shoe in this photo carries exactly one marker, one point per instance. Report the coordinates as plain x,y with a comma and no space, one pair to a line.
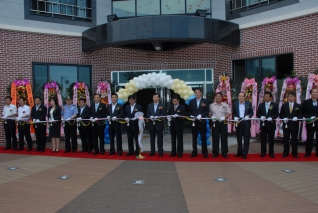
205,155
151,154
14,148
95,153
82,151
111,153
172,154
307,155
128,154
193,155
295,156
244,157
42,150
284,156
74,151
238,155
262,155
179,155
20,149
119,154
316,155
102,153
29,149
89,151
67,151
225,156
160,154
36,150
6,148
215,155
272,155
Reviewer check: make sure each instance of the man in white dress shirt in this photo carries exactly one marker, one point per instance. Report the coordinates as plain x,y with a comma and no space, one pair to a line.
24,125
9,114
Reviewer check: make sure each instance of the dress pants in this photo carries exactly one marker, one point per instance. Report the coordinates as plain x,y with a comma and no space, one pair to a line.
176,135
133,135
86,138
310,137
24,132
98,133
70,134
40,134
270,133
243,131
112,133
10,130
294,134
220,128
202,131
153,134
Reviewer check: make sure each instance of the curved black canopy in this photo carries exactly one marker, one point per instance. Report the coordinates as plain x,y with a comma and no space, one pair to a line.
163,33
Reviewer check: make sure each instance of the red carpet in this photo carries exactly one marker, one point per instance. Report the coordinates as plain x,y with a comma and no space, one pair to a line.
166,158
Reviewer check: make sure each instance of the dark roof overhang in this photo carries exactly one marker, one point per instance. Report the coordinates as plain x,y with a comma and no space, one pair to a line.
166,32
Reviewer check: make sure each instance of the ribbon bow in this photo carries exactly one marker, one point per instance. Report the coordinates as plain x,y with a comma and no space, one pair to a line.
290,80
249,82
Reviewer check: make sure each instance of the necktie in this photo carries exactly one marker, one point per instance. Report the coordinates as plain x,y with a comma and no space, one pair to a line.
175,107
290,108
113,109
155,108
267,107
96,106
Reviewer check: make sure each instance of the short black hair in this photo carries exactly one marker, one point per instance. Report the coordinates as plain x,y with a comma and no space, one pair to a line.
115,95
131,97
98,95
219,93
240,93
292,93
82,99
268,93
55,101
176,97
8,97
156,94
312,90
24,99
198,88
37,97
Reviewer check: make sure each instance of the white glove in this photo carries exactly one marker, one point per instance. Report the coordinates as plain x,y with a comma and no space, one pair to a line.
4,116
213,118
175,115
62,119
68,119
285,120
49,119
18,118
95,119
246,117
222,118
134,118
114,118
127,119
262,118
92,119
52,120
151,117
313,117
156,117
169,117
191,116
78,119
34,120
37,120
199,117
269,119
236,119
295,118
108,117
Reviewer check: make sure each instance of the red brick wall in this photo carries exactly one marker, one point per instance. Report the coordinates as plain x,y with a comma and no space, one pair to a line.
18,50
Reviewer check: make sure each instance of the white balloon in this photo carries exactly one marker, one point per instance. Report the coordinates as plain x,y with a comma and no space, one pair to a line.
126,85
191,92
125,95
176,81
153,80
165,84
181,82
185,97
170,82
184,86
131,90
120,96
178,86
135,79
169,77
137,85
172,86
125,99
180,91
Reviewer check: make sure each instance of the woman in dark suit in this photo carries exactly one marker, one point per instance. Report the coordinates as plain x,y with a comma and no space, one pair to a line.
54,113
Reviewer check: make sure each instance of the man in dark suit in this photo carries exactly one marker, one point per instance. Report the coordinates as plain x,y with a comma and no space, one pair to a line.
98,110
199,108
133,129
176,126
267,112
85,127
38,113
291,110
310,110
242,109
115,110
156,125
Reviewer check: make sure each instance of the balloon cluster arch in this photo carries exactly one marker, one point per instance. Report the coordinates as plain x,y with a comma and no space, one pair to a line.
155,80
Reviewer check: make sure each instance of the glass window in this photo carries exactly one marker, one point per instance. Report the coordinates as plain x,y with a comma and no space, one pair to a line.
67,8
172,7
148,7
84,74
186,75
209,75
64,75
115,77
252,68
193,5
40,78
268,66
124,8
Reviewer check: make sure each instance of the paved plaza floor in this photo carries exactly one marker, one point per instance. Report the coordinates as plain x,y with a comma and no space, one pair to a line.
99,185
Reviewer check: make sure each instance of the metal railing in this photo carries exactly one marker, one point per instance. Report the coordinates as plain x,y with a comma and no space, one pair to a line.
56,8
246,4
